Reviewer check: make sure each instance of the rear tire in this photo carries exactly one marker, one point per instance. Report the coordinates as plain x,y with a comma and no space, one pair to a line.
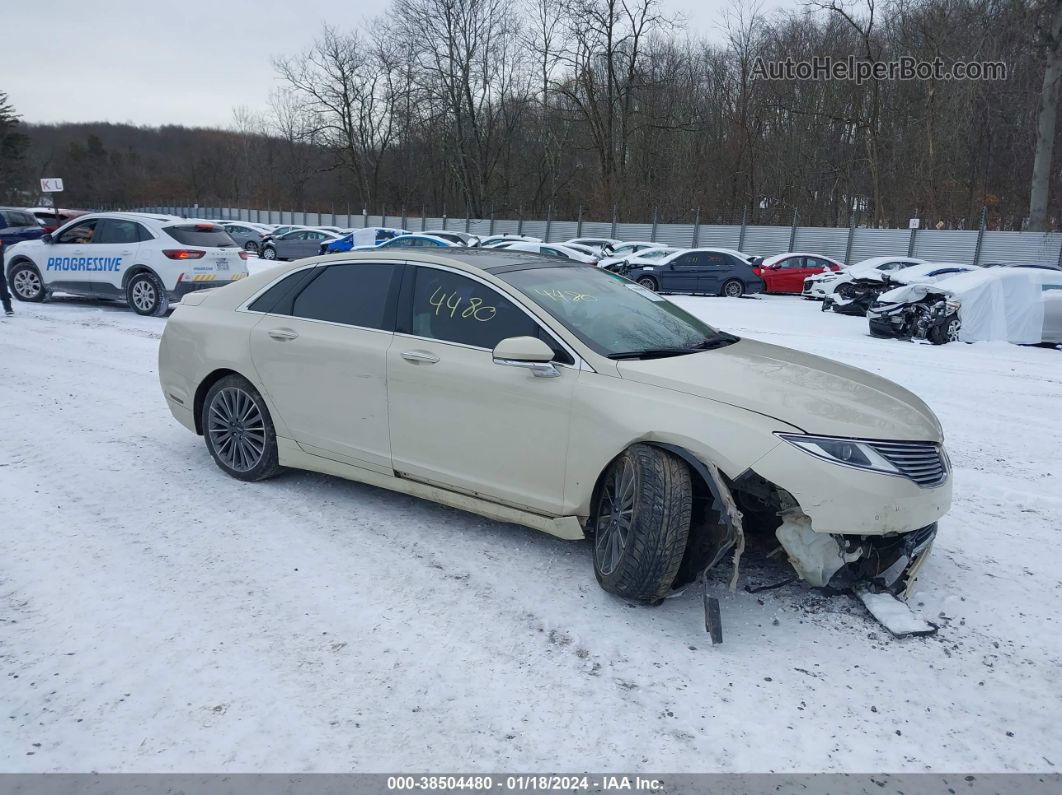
27,284
239,431
733,289
648,283
641,523
251,247
146,296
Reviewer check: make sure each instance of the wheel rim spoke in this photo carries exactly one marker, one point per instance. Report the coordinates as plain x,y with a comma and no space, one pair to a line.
236,429
615,516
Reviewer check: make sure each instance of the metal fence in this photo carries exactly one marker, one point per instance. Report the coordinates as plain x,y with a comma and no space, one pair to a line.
847,244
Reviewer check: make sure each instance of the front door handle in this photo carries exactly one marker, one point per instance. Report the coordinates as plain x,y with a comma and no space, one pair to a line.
420,357
283,334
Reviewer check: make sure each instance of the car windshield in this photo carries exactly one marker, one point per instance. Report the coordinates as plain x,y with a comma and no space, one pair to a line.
613,316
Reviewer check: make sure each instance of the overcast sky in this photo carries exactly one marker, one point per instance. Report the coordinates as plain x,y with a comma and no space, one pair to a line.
182,63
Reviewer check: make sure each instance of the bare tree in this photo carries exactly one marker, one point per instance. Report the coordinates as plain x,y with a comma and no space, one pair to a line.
1046,121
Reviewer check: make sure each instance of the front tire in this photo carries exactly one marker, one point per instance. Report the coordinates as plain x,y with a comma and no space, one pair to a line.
948,331
269,253
641,523
146,295
27,284
648,283
845,291
239,431
733,289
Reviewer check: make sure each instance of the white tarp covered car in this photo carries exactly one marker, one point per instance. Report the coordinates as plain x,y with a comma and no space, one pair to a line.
1019,305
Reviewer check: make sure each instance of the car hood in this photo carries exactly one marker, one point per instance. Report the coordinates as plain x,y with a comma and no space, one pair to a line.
814,394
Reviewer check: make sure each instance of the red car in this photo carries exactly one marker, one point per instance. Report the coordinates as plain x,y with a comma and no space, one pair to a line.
50,220
785,273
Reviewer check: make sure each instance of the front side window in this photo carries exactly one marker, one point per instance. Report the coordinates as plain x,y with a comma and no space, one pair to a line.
792,262
355,294
80,233
450,307
614,316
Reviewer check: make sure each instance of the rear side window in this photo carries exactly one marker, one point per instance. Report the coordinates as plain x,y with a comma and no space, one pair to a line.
116,230
360,294
18,218
278,298
206,235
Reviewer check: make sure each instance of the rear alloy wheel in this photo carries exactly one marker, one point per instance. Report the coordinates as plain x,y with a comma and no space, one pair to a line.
647,283
146,295
250,247
238,430
641,523
269,253
733,289
26,283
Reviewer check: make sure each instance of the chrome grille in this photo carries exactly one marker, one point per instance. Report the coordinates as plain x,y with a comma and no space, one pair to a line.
922,462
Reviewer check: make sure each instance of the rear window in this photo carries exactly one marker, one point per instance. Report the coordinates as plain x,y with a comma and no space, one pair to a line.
206,235
19,218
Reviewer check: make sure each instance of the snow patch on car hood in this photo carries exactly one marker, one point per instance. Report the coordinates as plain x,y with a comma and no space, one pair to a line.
815,394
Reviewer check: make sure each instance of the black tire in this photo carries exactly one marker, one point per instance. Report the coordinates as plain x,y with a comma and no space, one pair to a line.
269,253
647,282
845,291
251,247
641,563
946,332
146,296
733,288
240,445
26,283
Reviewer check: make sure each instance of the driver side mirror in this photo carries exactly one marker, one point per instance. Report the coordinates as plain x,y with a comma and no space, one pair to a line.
530,353
47,238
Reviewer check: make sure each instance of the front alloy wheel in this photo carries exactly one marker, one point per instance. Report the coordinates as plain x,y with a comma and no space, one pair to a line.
26,283
647,283
641,523
269,253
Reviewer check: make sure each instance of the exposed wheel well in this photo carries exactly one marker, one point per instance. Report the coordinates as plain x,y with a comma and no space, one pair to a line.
705,528
200,395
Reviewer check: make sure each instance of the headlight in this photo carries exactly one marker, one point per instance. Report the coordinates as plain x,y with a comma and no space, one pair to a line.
847,452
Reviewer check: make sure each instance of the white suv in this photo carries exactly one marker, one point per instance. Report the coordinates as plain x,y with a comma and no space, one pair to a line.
145,259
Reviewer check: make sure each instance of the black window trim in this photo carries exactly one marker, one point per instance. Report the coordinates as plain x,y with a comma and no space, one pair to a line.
404,318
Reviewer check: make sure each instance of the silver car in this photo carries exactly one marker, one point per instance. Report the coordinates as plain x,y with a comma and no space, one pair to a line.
248,236
297,244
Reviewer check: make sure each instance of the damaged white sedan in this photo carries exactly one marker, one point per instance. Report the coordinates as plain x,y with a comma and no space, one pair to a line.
567,399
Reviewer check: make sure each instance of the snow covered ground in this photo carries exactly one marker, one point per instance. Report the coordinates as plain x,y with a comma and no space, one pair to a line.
156,615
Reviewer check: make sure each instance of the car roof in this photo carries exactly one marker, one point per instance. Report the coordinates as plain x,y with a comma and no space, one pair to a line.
470,259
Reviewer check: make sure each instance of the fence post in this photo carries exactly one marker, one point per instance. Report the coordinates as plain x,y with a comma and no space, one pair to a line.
696,228
520,222
980,237
911,243
364,217
491,232
792,232
404,219
741,234
652,234
383,218
468,225
423,217
549,222
615,214
851,234
579,223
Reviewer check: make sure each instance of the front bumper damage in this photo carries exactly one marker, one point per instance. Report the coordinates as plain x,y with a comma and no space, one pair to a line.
881,569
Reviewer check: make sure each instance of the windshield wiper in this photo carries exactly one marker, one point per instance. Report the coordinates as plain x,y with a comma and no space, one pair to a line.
711,343
652,353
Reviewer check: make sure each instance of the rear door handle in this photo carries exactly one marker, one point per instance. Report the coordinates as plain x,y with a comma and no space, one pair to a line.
420,357
283,334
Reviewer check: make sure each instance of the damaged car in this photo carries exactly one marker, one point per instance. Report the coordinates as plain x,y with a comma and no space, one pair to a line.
862,291
829,282
1013,303
567,399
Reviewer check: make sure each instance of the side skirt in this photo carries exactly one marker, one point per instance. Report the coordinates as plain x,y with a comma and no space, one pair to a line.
566,527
